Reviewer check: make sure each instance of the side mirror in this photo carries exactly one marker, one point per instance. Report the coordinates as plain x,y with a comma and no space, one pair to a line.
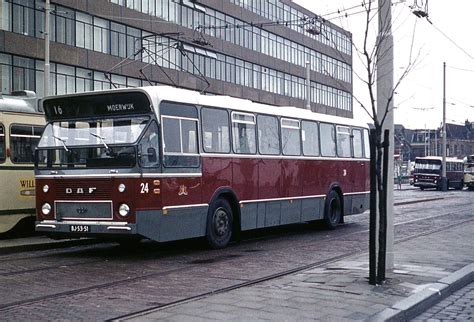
151,152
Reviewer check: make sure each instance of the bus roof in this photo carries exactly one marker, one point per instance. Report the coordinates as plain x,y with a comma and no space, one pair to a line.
436,158
169,93
22,103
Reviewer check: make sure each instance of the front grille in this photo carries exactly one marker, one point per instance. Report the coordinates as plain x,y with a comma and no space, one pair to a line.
101,210
103,189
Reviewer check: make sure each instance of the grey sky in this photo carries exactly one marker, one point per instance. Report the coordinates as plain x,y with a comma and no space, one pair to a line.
420,96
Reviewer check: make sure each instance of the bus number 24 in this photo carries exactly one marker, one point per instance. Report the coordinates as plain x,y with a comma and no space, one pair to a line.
144,187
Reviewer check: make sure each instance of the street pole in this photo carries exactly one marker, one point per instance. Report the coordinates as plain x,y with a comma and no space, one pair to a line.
46,49
385,90
444,181
308,85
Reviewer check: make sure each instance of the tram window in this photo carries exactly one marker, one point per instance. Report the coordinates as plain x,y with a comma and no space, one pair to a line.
180,142
2,143
268,138
357,142
328,140
366,144
290,137
23,140
215,130
243,133
310,136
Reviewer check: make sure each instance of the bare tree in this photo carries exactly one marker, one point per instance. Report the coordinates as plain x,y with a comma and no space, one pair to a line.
374,55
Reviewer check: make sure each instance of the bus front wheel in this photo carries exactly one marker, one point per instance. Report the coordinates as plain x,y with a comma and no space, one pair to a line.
332,210
219,224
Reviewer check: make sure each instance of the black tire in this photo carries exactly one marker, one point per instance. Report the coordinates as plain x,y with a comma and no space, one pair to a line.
332,210
422,188
219,224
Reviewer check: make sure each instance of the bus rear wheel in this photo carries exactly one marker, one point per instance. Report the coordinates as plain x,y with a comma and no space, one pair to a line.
332,210
219,224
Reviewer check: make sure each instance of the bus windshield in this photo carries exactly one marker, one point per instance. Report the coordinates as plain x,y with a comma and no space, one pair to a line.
427,166
100,143
98,132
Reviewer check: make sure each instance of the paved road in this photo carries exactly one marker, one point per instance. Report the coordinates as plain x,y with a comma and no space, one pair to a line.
103,281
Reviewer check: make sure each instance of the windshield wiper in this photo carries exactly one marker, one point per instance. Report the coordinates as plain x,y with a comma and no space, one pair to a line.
62,141
102,140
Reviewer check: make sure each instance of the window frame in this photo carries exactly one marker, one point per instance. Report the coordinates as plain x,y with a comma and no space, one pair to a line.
254,123
229,124
292,127
349,134
3,143
162,141
318,143
10,135
334,140
361,142
278,132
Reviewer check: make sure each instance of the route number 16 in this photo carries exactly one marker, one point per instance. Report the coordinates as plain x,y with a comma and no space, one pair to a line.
57,110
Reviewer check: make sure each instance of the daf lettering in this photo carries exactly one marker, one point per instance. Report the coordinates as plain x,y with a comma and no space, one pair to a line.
81,190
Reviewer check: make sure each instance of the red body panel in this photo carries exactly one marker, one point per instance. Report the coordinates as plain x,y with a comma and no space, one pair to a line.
248,178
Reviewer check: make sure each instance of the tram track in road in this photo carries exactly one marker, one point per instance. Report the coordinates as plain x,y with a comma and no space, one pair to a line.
141,313
221,257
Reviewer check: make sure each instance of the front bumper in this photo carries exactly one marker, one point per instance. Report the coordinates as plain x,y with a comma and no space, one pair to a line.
95,228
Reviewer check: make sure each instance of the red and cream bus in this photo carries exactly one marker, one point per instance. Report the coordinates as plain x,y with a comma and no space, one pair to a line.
428,172
165,164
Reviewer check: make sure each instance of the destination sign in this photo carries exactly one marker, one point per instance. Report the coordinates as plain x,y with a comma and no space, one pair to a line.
96,105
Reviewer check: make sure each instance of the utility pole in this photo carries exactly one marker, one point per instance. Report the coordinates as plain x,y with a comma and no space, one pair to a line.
444,181
47,9
385,90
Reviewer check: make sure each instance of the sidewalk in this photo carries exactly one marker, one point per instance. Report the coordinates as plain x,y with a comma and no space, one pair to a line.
427,269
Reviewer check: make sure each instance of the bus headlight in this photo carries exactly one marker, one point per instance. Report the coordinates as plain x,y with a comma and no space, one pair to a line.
124,209
46,208
121,187
45,188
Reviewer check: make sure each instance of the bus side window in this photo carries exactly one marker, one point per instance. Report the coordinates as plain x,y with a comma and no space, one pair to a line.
268,137
310,136
2,143
328,140
215,130
149,147
343,142
290,137
23,140
243,133
357,142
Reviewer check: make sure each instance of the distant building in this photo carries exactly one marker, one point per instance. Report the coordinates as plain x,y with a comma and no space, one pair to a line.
410,144
249,49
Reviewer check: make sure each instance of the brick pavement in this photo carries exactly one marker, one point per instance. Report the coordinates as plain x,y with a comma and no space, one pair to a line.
337,291
458,307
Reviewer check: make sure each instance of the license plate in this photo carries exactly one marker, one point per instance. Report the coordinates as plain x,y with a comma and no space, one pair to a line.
79,228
